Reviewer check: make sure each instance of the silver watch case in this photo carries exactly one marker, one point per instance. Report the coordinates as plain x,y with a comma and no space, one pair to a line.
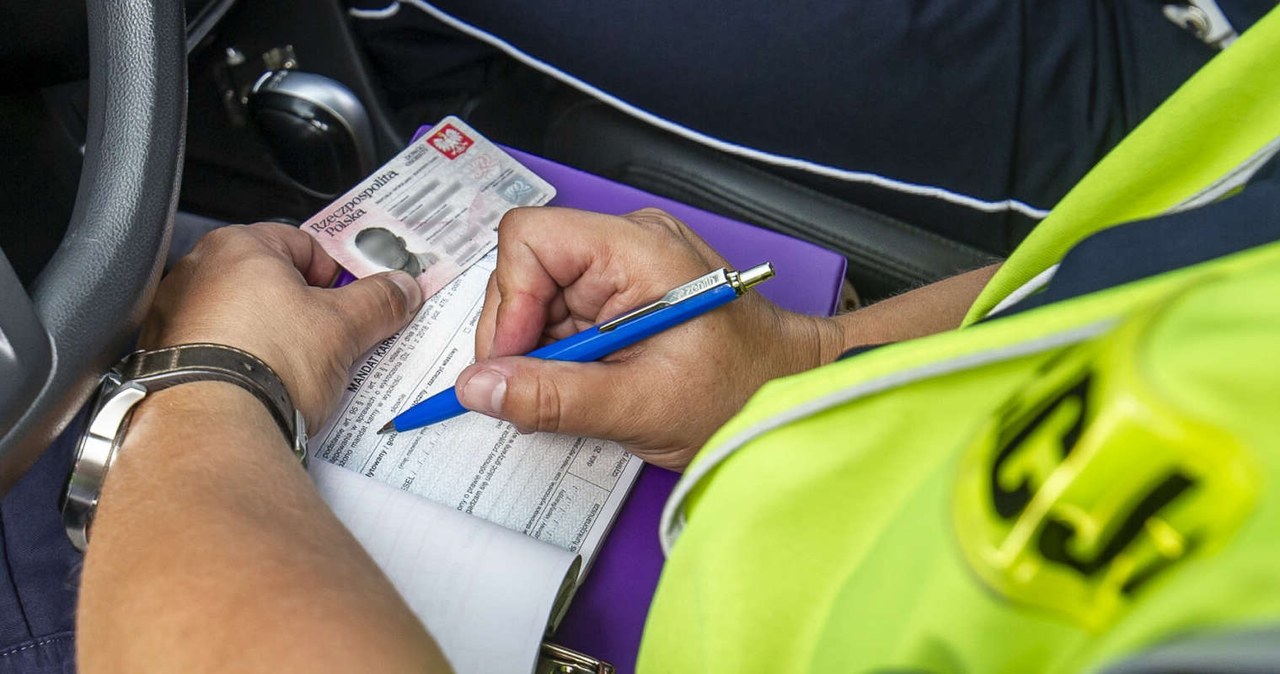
108,420
95,451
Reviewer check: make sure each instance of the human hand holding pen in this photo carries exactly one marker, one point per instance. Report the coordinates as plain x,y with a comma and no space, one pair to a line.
561,271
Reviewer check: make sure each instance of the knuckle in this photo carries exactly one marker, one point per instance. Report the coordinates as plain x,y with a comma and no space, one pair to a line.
388,298
656,218
660,225
547,406
650,212
230,238
184,268
228,234
514,221
492,295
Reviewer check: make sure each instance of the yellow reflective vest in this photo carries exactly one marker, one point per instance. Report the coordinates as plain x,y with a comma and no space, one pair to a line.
1053,491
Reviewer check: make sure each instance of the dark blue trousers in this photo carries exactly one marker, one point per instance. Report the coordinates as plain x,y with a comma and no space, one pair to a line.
40,570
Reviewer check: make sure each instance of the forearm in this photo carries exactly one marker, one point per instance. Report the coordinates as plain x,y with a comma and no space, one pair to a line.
924,311
211,551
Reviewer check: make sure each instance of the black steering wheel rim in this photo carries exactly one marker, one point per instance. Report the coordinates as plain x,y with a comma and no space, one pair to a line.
87,303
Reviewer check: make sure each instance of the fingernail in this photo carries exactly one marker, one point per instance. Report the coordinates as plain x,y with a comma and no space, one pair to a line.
409,286
484,392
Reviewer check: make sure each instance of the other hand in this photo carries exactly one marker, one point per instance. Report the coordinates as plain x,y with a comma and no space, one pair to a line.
263,288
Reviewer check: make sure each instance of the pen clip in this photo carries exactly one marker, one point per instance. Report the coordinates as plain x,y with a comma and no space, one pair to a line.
695,287
741,282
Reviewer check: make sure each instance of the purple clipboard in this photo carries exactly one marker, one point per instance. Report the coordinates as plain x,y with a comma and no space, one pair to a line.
607,615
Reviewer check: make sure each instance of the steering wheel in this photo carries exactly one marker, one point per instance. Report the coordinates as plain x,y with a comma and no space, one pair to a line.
82,311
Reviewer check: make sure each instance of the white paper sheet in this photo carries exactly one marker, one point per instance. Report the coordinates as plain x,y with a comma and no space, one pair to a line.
559,489
484,592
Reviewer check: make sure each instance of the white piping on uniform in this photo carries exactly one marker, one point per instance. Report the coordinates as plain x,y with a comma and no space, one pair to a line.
673,521
782,161
1023,291
1231,180
382,13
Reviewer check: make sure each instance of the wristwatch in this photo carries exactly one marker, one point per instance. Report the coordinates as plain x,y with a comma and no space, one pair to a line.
143,373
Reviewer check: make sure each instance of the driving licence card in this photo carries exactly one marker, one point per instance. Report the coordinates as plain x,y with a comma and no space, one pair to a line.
431,211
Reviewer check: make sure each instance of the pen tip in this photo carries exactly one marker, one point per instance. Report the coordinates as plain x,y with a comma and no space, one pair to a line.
389,428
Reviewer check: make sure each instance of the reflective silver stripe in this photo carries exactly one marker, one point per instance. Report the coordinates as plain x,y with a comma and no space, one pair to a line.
1226,649
673,519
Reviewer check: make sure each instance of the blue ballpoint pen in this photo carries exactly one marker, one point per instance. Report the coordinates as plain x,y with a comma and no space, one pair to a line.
689,301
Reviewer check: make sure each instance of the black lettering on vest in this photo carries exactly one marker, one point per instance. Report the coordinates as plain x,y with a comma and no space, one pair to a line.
1016,430
1055,538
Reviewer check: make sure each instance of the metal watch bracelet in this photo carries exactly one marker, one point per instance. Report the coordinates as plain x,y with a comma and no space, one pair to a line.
146,372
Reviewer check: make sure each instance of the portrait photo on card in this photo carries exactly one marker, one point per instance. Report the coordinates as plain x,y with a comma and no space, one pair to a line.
386,244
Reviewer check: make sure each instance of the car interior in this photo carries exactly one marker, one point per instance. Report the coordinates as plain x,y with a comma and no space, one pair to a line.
131,128
118,115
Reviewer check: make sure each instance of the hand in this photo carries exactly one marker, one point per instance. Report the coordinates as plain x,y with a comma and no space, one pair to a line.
561,271
261,288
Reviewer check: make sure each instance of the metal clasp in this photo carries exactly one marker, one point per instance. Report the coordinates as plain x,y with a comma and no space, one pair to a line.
1205,20
555,659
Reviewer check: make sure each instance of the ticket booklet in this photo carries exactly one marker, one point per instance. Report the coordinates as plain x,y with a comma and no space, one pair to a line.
484,531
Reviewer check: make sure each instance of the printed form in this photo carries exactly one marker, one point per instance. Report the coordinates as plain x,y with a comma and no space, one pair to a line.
559,489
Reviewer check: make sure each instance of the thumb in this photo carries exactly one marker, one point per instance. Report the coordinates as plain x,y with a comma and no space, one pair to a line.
545,395
376,306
